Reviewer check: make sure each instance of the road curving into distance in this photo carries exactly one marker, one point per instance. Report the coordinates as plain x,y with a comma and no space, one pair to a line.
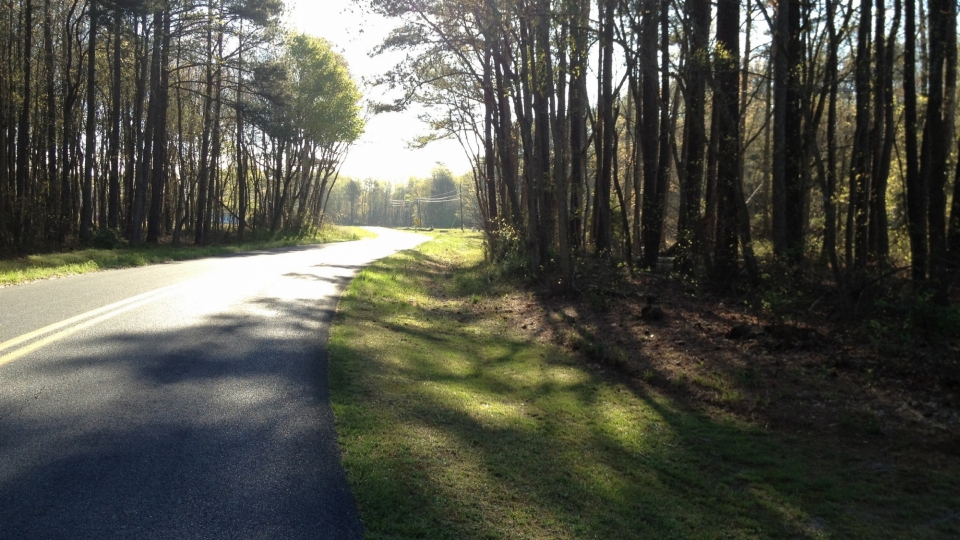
184,400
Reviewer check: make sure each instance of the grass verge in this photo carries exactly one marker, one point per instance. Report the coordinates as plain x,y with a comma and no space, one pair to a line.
50,265
454,424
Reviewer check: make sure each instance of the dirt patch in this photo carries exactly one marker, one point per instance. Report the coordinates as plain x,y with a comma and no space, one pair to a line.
812,375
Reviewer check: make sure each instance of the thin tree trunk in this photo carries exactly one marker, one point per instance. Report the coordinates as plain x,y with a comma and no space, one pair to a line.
135,163
202,223
560,174
828,184
23,132
50,146
113,152
916,194
86,208
602,227
624,220
860,170
578,129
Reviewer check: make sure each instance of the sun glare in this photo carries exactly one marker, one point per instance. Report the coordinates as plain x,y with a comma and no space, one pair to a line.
382,152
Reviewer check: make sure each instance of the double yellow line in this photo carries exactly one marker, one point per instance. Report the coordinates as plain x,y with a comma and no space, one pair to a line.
57,331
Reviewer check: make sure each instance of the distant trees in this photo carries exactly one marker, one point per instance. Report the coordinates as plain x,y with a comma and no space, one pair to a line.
684,144
433,202
151,117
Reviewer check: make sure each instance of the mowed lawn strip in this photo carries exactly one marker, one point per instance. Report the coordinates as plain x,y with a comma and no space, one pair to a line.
454,425
50,265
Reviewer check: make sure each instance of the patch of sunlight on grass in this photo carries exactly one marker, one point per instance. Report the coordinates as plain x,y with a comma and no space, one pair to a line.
627,424
605,481
486,408
566,376
455,430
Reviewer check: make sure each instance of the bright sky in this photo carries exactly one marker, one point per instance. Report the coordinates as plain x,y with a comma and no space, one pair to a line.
382,152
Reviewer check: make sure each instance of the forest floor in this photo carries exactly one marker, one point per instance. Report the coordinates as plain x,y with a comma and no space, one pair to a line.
469,406
854,376
114,254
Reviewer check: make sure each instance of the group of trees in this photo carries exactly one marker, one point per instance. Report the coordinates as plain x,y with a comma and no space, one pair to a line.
437,201
155,117
808,134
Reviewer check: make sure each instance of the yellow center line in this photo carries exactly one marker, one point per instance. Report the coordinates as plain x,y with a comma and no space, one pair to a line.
99,315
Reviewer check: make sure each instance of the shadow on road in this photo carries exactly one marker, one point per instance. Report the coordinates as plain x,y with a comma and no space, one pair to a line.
221,430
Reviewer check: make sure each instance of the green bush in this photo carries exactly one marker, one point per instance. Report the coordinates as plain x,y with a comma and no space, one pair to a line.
107,238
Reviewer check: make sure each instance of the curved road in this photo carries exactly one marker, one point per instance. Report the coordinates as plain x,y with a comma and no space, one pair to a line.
185,400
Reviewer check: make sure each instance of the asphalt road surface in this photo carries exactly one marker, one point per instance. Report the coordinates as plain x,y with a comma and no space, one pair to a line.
184,400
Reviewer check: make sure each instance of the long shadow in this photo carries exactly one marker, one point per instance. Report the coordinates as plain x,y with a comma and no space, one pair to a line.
676,473
221,430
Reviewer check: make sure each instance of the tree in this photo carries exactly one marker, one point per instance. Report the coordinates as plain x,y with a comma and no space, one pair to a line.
726,103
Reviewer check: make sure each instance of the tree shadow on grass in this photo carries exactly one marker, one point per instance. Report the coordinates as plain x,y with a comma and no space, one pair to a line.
449,433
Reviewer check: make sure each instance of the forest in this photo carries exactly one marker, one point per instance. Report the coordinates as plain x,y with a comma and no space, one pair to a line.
146,120
733,139
736,137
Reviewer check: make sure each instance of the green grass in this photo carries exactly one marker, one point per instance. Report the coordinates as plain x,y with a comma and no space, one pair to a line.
49,265
454,426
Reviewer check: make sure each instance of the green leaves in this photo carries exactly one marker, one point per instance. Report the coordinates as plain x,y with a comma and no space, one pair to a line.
325,97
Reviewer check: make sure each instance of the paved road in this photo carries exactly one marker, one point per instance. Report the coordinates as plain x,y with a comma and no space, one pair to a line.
185,400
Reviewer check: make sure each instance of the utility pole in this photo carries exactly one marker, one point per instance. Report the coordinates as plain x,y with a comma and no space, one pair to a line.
461,204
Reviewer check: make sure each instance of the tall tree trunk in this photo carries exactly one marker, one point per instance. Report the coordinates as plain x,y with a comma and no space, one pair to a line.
934,151
860,170
828,180
202,223
788,189
794,154
532,169
649,107
506,145
67,136
878,213
491,224
214,198
86,208
113,152
578,115
542,96
560,152
709,220
21,209
880,141
135,166
916,194
50,146
153,117
946,51
624,220
666,146
727,116
160,162
689,231
602,226
242,189
6,195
